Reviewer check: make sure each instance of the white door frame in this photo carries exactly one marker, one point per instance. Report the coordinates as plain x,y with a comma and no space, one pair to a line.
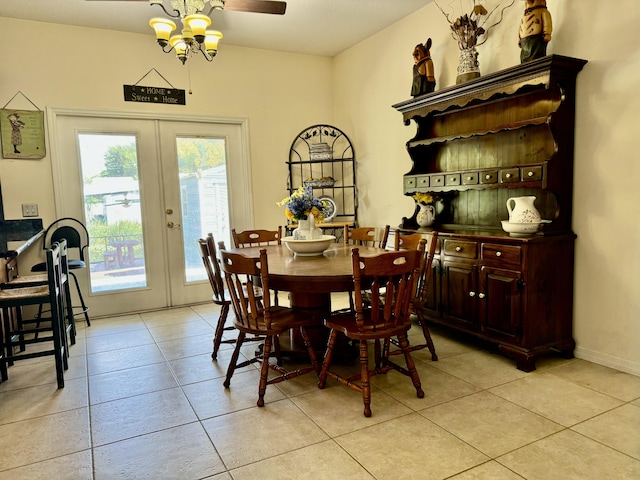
241,209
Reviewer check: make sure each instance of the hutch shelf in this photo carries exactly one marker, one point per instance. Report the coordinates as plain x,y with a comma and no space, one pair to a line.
322,156
503,135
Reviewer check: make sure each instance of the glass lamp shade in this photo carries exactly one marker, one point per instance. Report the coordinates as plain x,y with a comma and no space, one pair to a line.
163,28
180,47
197,23
211,39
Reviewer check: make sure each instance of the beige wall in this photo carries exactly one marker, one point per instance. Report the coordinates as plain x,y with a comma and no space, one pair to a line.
282,94
375,74
69,67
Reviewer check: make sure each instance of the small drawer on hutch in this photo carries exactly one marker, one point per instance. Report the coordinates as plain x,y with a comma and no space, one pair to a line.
470,178
423,181
452,179
533,174
460,248
503,253
510,175
489,176
437,180
409,182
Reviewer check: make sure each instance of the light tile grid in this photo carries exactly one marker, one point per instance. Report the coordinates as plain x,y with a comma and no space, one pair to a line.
143,399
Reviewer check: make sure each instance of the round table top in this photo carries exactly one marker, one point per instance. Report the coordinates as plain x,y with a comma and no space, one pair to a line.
329,272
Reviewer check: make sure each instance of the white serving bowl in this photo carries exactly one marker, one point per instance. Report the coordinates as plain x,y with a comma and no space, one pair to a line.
515,229
309,248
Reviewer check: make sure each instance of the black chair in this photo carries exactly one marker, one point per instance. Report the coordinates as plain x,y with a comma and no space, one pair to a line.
16,333
77,237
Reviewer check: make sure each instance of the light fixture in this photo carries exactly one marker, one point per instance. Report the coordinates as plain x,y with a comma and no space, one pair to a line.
194,37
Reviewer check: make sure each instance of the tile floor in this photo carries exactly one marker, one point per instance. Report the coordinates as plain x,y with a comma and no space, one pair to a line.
144,400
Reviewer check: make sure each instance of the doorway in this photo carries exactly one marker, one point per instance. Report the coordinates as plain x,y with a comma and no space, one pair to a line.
147,189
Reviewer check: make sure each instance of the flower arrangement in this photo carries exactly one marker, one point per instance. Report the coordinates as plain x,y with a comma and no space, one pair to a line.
424,198
468,28
302,203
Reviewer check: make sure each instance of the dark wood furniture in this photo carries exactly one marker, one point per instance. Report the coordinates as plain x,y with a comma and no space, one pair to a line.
507,134
383,287
55,295
370,236
254,315
255,238
210,262
423,287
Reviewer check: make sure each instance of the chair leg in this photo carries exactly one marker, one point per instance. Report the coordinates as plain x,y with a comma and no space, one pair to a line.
427,335
264,369
4,376
411,367
219,331
84,307
234,359
312,352
58,344
365,385
326,361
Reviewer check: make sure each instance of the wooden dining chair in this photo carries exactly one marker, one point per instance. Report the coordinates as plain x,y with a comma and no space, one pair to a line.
406,241
256,238
390,280
260,318
423,284
219,296
369,236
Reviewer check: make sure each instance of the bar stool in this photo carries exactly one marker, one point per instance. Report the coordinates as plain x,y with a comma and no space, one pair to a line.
16,334
77,237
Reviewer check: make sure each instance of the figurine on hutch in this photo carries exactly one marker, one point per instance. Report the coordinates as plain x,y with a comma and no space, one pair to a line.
535,30
424,80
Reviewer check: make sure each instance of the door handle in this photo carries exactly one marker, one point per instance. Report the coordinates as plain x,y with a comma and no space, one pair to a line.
173,225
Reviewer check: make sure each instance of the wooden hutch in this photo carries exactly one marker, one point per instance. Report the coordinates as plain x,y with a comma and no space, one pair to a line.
507,134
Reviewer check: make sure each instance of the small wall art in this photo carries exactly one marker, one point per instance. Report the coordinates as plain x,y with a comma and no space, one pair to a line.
22,132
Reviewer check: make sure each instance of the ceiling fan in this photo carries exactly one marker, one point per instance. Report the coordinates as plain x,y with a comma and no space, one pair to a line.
194,36
257,6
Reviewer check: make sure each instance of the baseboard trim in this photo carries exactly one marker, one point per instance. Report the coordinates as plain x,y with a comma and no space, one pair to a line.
622,364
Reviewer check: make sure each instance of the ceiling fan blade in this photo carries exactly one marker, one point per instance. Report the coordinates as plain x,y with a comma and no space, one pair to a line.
257,6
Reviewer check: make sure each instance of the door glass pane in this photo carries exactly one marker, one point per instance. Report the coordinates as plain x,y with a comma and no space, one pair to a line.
203,197
111,192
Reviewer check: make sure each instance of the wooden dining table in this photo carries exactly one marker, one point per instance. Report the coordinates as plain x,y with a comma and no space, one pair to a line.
310,281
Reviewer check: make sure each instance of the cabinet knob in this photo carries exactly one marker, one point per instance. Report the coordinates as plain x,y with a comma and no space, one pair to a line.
487,177
481,295
508,175
469,179
530,174
472,294
458,249
498,254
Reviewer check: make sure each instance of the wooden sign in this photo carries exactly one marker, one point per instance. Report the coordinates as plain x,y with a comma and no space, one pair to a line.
139,93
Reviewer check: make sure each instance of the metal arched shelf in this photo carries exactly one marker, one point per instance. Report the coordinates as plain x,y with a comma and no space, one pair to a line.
322,156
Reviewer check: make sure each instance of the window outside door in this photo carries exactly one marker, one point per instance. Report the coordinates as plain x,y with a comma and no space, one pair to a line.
147,189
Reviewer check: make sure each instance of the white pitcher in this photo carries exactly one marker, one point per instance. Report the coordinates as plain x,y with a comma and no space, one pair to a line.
426,216
522,210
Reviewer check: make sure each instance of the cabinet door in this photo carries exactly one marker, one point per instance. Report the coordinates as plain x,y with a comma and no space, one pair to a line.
459,294
500,303
432,303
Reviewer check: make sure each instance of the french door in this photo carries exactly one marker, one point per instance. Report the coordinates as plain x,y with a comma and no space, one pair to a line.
147,189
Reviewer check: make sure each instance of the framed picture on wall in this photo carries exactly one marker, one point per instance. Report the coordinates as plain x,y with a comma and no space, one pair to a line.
22,134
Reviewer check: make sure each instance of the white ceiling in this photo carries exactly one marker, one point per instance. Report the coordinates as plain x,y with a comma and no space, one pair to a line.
315,27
